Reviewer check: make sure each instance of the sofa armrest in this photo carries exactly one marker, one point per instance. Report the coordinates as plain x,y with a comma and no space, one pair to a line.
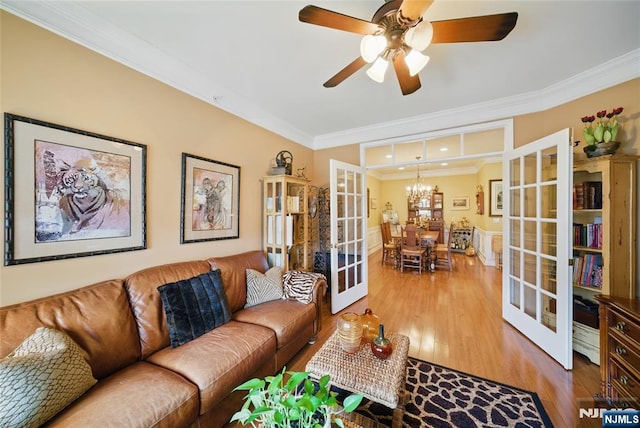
306,287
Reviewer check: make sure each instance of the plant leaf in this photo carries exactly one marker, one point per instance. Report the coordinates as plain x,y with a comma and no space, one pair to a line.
351,402
295,379
250,384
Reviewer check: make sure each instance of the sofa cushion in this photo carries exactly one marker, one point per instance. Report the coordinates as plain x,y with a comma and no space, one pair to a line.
97,317
287,318
139,396
40,377
142,288
194,306
263,287
233,270
221,359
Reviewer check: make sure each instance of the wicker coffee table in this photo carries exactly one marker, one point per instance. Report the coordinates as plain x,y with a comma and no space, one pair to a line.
382,381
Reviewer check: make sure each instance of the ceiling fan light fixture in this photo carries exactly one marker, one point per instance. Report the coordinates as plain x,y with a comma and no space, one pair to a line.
420,36
371,46
378,69
416,62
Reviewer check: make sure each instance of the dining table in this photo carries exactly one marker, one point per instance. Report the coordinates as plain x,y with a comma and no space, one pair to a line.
427,237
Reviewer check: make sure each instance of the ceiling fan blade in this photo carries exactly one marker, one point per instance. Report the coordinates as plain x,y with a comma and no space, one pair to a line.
408,83
412,10
474,29
327,18
356,65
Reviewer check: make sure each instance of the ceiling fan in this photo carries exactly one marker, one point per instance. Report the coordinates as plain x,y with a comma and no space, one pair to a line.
398,33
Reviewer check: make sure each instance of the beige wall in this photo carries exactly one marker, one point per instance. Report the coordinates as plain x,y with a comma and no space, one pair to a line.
46,77
49,78
531,127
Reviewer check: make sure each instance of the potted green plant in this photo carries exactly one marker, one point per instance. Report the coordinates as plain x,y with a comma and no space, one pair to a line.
277,401
601,136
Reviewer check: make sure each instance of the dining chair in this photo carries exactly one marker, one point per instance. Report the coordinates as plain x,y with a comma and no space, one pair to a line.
443,252
411,253
389,248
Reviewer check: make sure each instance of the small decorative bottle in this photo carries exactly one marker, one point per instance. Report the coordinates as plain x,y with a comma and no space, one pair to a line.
381,346
370,323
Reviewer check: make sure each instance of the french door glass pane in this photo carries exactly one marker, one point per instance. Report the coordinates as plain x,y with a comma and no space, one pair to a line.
530,234
514,293
515,232
514,165
530,168
530,202
515,202
530,301
549,235
549,269
515,263
549,312
530,270
548,199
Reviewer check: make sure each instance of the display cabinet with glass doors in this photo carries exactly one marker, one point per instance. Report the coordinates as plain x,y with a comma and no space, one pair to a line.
285,222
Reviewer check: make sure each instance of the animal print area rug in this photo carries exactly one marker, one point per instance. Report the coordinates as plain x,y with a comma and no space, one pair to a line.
442,397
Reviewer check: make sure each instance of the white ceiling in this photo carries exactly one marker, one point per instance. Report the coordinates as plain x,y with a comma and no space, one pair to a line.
256,60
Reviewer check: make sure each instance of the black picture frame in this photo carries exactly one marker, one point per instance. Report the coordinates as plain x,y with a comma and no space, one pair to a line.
70,193
210,200
495,198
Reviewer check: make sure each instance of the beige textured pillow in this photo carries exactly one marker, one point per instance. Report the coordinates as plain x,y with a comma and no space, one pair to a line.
263,287
42,376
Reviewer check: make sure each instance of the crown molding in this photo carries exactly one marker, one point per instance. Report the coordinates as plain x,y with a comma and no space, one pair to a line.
73,22
606,75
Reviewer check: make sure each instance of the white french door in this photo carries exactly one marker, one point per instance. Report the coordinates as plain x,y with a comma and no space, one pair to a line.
536,281
348,234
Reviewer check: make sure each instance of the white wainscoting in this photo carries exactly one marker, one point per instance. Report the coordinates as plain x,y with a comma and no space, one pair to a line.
483,246
374,239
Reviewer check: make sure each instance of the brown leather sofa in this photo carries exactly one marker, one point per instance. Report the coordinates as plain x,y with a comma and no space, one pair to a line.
142,381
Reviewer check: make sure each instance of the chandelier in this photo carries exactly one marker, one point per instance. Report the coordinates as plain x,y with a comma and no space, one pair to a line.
418,190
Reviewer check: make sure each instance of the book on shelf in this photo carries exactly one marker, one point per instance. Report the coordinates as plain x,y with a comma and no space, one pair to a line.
587,195
587,235
587,270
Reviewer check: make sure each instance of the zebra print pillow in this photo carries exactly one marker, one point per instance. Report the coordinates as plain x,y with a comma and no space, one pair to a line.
298,285
263,287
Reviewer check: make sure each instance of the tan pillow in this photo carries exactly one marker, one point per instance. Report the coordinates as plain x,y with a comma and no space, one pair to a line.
42,376
263,287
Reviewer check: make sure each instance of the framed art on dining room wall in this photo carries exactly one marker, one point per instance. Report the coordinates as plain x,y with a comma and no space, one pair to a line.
460,203
495,198
70,193
210,200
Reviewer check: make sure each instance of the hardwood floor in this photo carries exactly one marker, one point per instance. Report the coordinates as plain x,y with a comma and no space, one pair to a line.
454,319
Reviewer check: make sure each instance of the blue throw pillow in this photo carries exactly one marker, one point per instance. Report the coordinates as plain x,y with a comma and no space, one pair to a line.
194,306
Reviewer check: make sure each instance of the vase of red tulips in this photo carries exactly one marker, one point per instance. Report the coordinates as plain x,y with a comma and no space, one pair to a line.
600,132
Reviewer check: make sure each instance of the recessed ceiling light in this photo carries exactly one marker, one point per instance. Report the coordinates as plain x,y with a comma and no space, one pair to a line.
400,168
444,149
388,156
444,164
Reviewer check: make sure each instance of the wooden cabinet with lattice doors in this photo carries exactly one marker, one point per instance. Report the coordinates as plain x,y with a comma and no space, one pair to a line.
285,237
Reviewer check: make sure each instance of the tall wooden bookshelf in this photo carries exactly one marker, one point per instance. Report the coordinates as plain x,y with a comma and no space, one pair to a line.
607,207
604,232
285,234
